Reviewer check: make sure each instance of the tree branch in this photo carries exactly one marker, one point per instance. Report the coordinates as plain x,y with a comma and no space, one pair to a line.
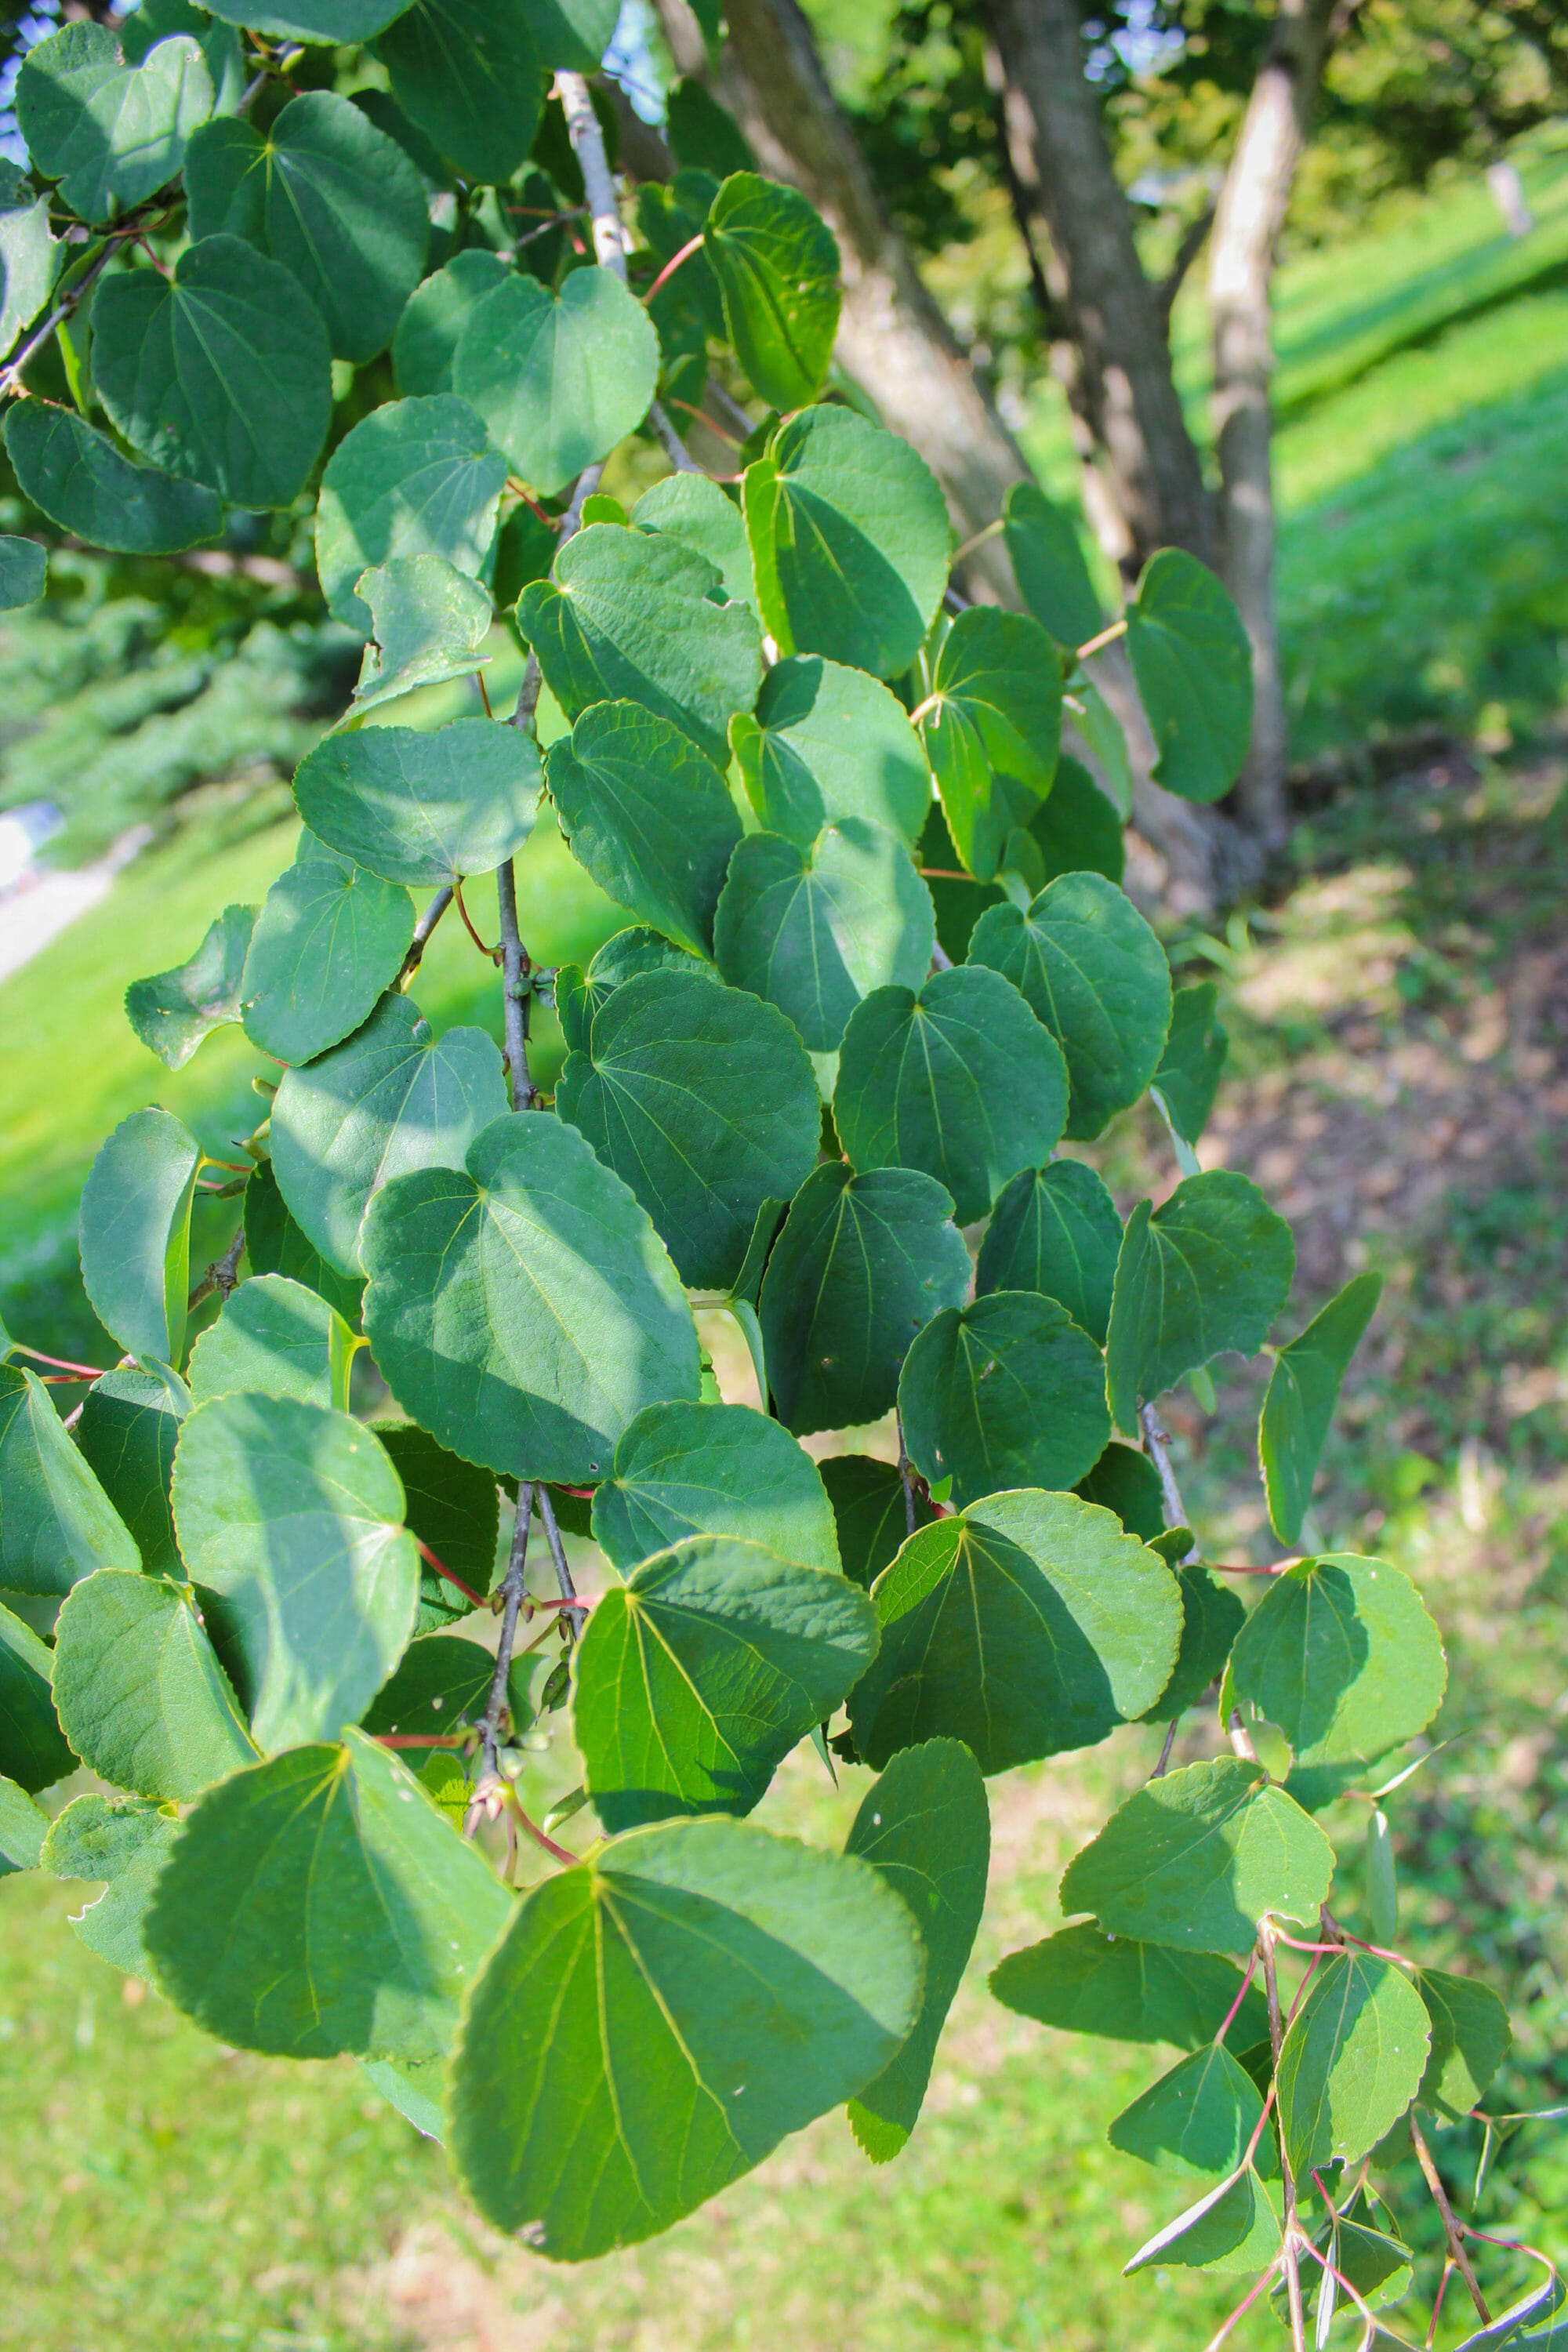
221,1275
674,447
516,1000
512,1593
1157,1442
573,1608
1289,2251
1192,243
422,930
1457,2253
588,146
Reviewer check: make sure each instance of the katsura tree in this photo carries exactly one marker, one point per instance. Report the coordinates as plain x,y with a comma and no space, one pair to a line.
876,968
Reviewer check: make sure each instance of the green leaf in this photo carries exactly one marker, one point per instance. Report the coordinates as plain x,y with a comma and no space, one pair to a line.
1212,1616
1197,1858
1083,1981
1126,1482
579,994
816,930
141,1696
1055,1230
33,1751
275,1244
523,1308
1377,2266
1024,1627
391,1099
329,196
219,373
453,1507
29,261
82,481
694,511
695,1677
429,622
870,1513
1232,2227
23,1829
171,1011
558,378
424,346
127,1845
850,540
154,20
715,1988
1196,2120
414,477
290,1522
957,1078
23,564
1048,565
1352,2061
275,1338
423,808
1076,830
1205,1274
632,615
712,1470
136,1232
329,938
1094,973
777,262
829,742
1382,1880
1187,1079
320,1903
863,1262
110,134
648,815
442,1685
1472,2036
341,21
57,1523
1341,1655
1303,1389
995,709
469,72
703,1100
1006,1392
129,1426
1193,667
926,1827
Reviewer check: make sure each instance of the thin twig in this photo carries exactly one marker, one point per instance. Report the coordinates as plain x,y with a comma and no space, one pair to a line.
513,1587
569,1603
904,1478
1232,2013
61,1363
1159,1771
1290,2249
422,930
221,1275
732,408
1243,2307
670,442
703,418
11,377
588,146
1157,1444
1457,2253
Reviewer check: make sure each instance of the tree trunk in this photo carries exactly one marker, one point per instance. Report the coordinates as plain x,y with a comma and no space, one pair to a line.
1241,263
1058,146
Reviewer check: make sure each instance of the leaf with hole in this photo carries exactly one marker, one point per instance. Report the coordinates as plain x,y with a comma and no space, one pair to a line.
1081,1981
141,1696
994,710
1352,2061
1048,565
470,73
1055,1230
57,1523
1198,1858
758,1983
34,1751
126,1844
429,623
414,477
109,133
850,540
290,1524
862,1263
135,1233
1193,667
128,1427
1007,1391
816,930
392,1098
1095,975
828,742
1024,1627
695,1678
171,1011
1341,1655
82,481
219,373
777,262
558,378
649,814
703,1100
330,937
523,1309
275,1338
1472,2036
1303,1389
1205,1274
712,1470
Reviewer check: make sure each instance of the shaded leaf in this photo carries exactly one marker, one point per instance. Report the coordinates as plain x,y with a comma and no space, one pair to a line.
127,1434
712,1470
1193,667
777,262
171,1011
110,134
1352,2061
1197,2120
274,1244
34,1751
330,937
82,481
1126,1482
275,1338
649,816
1341,1655
1233,2227
1048,565
1472,2036
1187,1079
828,742
414,477
341,21
423,808
1303,1389
1205,1274
1006,1392
56,1524
872,1513
470,73
23,564
1083,1981
995,711
29,260
442,1685
1055,1230
558,378
694,511
453,1507
1212,1616
1075,829
141,1696
135,1233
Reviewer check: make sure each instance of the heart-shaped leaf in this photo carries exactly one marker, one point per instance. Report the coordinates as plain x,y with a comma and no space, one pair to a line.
1024,1627
1082,1980
829,742
154,20
1055,1230
424,346
81,480
34,1752
702,1098
815,930
289,1518
873,1511
219,372
1094,973
171,1011
558,378
414,477
1341,1655
128,1427
523,1308
712,1470
470,73
1193,667
110,134
863,1262
392,1097
760,1983
429,622
957,1078
275,1338
777,262
330,937
1048,565
328,195
649,814
994,710
1006,1392
135,1233
423,808
1352,2061
57,1524
1303,1389
141,1696
694,511
1206,1272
